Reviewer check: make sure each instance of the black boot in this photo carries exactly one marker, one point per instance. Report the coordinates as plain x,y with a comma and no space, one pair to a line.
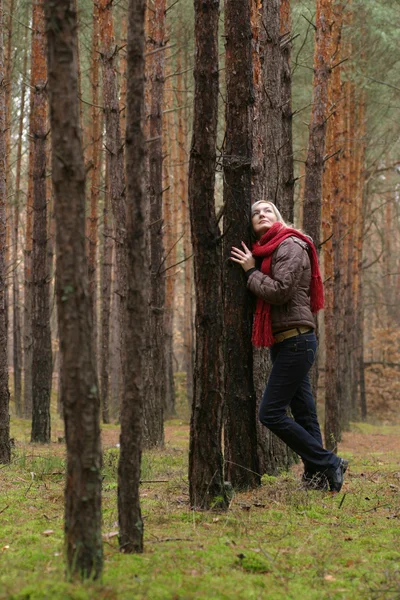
335,475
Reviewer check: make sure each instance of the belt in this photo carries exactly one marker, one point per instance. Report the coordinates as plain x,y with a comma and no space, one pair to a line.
284,335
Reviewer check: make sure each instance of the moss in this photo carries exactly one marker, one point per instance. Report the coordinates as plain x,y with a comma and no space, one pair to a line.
277,541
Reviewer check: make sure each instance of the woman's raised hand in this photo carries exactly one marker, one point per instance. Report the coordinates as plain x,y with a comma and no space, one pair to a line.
243,257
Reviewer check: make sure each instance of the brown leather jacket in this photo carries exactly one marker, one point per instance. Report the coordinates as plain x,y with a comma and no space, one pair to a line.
288,288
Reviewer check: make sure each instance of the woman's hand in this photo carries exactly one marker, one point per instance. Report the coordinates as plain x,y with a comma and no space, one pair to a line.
243,257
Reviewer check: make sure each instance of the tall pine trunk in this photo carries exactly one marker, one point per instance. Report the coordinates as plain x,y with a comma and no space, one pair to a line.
272,80
318,122
183,118
286,205
5,452
114,149
80,395
17,329
240,433
41,335
129,513
96,135
330,209
153,434
205,454
273,455
106,274
170,217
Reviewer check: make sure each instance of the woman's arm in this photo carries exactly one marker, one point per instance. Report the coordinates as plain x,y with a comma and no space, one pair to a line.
288,269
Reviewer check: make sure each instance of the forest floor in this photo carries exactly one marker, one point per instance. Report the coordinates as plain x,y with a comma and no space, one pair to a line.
277,542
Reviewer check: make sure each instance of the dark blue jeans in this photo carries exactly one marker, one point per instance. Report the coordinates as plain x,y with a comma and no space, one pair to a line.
289,386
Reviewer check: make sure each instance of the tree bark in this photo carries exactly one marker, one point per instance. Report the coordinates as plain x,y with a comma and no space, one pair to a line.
286,205
114,148
273,455
153,434
331,206
96,141
79,382
41,335
206,485
318,123
129,513
170,216
240,433
17,331
272,80
106,273
5,451
28,289
182,177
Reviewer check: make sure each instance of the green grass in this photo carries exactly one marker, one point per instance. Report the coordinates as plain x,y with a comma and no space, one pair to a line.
278,541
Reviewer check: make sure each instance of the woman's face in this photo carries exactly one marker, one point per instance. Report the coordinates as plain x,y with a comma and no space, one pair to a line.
263,218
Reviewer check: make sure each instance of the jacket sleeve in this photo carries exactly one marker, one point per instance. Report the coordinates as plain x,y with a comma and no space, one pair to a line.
287,272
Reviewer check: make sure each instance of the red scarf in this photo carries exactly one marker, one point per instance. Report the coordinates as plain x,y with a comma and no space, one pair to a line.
264,248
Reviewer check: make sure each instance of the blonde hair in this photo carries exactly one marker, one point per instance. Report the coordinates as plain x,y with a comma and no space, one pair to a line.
278,215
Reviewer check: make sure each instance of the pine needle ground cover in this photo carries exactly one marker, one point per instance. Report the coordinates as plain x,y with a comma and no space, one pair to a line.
278,541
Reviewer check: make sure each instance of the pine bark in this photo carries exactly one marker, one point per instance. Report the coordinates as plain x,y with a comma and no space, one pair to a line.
129,513
80,396
170,217
5,451
153,434
28,289
331,207
114,149
205,455
182,177
96,141
318,122
8,79
272,80
41,335
258,179
106,274
286,205
273,455
240,433
17,328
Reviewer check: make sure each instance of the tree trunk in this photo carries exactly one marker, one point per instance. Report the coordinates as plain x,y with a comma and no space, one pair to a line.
129,513
240,434
182,177
96,141
272,80
170,217
5,451
106,273
360,239
114,149
79,382
41,335
17,331
258,179
330,206
273,455
28,290
153,434
286,205
206,483
318,123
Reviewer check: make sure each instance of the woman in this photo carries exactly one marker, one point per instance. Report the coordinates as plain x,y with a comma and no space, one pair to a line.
289,290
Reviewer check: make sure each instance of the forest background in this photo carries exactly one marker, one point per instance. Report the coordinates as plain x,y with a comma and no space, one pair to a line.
359,211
